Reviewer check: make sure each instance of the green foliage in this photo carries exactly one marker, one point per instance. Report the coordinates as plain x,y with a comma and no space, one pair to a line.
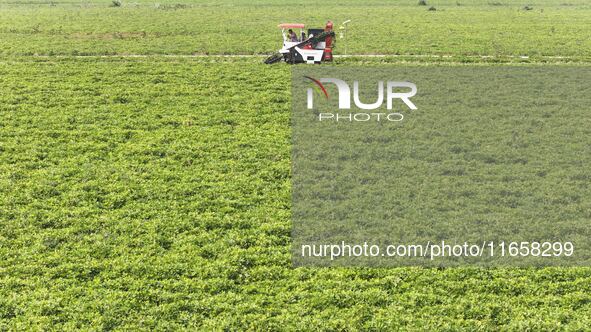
250,27
154,193
477,161
167,205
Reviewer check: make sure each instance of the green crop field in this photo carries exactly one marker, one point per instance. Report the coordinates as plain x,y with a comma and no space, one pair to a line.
146,186
475,27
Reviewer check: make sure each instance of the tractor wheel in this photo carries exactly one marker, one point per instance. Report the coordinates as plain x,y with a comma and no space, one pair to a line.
274,58
290,57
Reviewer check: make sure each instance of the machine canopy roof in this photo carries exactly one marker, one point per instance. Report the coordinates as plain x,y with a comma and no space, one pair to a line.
291,25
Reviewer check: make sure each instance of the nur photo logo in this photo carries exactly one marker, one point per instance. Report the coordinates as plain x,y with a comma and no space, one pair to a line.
390,91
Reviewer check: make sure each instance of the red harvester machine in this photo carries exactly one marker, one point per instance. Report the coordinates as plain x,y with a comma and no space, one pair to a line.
297,48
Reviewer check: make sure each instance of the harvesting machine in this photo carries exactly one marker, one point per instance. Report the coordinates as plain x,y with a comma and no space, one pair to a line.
316,47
